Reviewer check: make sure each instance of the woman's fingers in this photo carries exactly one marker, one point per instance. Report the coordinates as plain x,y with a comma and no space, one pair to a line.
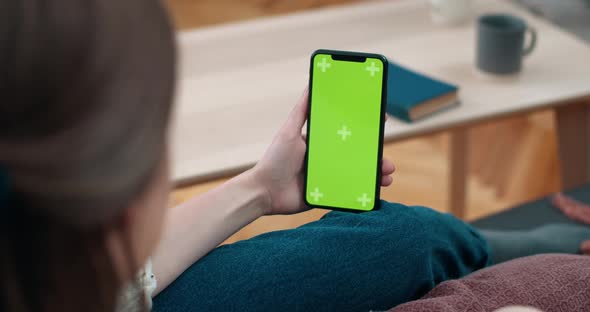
387,167
298,116
386,180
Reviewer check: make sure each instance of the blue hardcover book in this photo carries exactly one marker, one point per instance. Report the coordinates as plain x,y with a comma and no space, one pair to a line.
411,95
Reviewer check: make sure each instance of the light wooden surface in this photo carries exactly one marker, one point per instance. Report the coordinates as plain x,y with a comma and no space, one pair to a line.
238,81
197,13
458,167
573,128
525,170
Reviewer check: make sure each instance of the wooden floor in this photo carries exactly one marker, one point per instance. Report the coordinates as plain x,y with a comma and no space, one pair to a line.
511,161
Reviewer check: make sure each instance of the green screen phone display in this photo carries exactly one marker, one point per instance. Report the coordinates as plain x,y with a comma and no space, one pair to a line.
344,131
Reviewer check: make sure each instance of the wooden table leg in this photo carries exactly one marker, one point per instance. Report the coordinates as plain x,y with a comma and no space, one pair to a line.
458,170
573,135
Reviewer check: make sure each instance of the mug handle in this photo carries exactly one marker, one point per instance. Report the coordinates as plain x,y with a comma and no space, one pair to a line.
532,43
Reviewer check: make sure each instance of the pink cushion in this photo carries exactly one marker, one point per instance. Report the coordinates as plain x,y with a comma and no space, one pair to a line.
551,282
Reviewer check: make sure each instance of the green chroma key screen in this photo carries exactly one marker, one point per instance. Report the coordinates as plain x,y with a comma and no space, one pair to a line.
344,135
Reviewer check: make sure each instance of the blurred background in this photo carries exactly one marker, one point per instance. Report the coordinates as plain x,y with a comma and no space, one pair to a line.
511,161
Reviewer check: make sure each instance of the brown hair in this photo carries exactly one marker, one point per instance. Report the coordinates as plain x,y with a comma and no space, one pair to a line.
85,88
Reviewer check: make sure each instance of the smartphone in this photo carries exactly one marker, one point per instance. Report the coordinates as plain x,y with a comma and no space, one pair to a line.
347,98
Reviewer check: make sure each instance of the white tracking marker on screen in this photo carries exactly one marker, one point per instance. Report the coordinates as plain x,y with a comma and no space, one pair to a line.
373,69
364,200
316,194
324,64
344,133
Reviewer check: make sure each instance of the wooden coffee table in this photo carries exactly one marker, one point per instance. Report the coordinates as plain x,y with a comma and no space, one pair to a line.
238,82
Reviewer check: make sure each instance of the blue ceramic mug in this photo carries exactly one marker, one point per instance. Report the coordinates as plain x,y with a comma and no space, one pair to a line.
500,43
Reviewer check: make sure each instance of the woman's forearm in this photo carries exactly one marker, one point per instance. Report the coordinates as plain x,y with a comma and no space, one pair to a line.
201,224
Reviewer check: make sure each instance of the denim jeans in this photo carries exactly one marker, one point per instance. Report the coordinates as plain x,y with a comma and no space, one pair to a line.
342,262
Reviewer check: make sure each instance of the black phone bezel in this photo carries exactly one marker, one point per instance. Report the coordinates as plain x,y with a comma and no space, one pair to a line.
353,57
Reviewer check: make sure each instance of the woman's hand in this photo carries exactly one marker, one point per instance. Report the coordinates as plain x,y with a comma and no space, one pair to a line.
280,171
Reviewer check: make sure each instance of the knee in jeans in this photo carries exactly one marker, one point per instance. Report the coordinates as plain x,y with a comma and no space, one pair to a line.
429,227
415,223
